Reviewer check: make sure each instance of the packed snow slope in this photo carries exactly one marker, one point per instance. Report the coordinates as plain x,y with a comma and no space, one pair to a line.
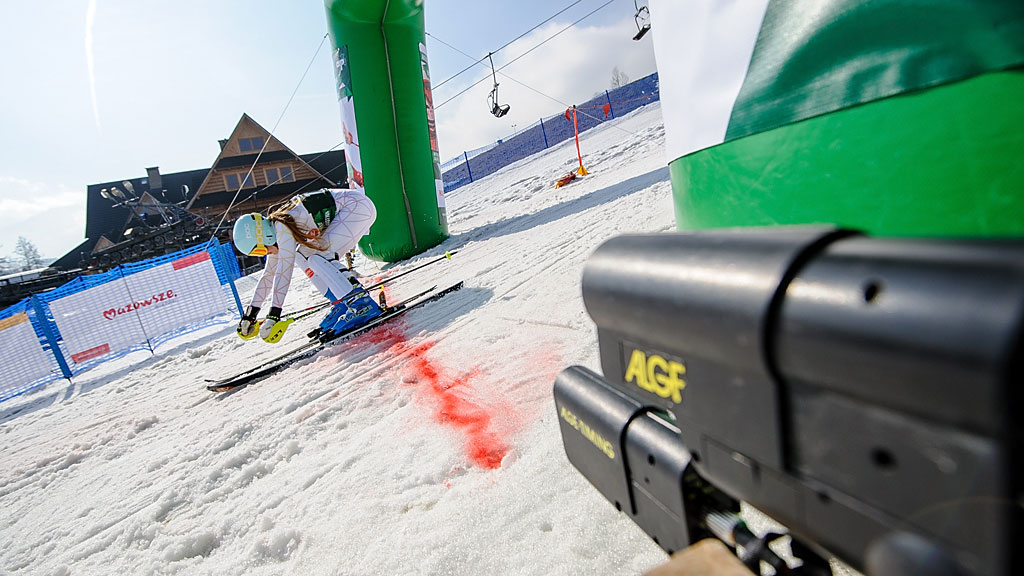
429,446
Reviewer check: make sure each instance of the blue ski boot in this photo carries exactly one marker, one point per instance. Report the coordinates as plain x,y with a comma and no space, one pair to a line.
354,310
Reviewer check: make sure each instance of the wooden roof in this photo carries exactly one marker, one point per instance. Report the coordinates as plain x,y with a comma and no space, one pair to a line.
237,158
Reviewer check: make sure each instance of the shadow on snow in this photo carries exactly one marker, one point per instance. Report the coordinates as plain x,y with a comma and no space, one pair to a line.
558,211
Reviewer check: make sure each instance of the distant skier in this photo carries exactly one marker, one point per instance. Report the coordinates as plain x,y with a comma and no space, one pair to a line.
310,229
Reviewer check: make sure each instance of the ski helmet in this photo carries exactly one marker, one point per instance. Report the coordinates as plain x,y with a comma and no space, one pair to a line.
252,234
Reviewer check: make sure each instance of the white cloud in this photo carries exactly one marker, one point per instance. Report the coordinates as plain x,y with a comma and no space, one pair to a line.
568,69
51,216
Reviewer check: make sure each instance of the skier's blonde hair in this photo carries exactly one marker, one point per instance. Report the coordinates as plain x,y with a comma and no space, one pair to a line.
280,214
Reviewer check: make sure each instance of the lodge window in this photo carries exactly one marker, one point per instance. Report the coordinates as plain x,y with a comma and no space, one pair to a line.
231,181
281,174
250,144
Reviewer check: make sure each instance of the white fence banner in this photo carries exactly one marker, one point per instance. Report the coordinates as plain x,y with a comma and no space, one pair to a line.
123,313
177,293
24,360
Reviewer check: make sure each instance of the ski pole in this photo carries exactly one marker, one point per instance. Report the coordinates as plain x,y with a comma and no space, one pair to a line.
313,308
446,255
307,311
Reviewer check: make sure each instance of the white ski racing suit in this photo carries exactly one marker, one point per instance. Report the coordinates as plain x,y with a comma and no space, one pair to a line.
336,219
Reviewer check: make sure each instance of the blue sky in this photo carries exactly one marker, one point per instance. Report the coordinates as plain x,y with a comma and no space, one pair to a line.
98,90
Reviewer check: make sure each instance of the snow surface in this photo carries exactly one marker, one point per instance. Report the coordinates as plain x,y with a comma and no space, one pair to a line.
430,446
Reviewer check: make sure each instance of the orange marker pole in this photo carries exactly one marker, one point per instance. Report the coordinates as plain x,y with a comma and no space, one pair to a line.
575,128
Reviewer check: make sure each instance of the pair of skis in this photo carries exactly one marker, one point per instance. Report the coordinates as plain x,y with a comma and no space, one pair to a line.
313,346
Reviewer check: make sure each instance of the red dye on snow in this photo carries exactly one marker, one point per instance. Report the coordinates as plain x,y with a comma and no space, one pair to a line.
456,408
452,397
391,335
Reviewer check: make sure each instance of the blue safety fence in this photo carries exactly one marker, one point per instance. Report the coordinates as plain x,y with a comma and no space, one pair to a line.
28,359
98,317
475,164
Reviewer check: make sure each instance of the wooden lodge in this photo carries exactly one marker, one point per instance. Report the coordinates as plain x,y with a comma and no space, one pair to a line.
138,218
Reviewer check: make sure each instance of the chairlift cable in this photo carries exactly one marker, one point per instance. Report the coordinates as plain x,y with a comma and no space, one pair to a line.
436,86
578,109
509,63
528,87
306,185
272,131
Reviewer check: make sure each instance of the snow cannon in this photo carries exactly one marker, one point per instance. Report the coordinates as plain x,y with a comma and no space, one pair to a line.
383,84
896,118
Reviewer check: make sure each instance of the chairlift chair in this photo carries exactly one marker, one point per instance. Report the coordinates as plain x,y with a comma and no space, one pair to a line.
498,110
642,19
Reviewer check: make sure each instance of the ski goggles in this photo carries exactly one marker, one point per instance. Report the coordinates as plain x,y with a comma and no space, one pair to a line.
260,249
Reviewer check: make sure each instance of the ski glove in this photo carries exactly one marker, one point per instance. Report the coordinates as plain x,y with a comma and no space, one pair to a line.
247,326
272,329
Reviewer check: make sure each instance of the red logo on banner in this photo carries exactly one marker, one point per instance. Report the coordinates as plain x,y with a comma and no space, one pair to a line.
190,260
309,272
90,353
115,312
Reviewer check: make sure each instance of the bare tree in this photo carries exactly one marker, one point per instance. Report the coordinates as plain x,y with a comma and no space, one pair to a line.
26,251
619,78
6,266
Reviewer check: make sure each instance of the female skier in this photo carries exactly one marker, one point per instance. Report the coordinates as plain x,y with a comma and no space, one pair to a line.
310,229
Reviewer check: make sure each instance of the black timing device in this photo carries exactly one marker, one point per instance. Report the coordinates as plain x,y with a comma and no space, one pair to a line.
864,392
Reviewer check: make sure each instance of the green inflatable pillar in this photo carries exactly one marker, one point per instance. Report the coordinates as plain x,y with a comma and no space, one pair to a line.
383,82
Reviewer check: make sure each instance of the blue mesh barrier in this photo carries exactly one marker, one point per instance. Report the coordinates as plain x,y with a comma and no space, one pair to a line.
475,164
136,288
28,361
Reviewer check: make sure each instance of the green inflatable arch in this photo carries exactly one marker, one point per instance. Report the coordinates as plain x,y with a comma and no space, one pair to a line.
835,111
383,87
